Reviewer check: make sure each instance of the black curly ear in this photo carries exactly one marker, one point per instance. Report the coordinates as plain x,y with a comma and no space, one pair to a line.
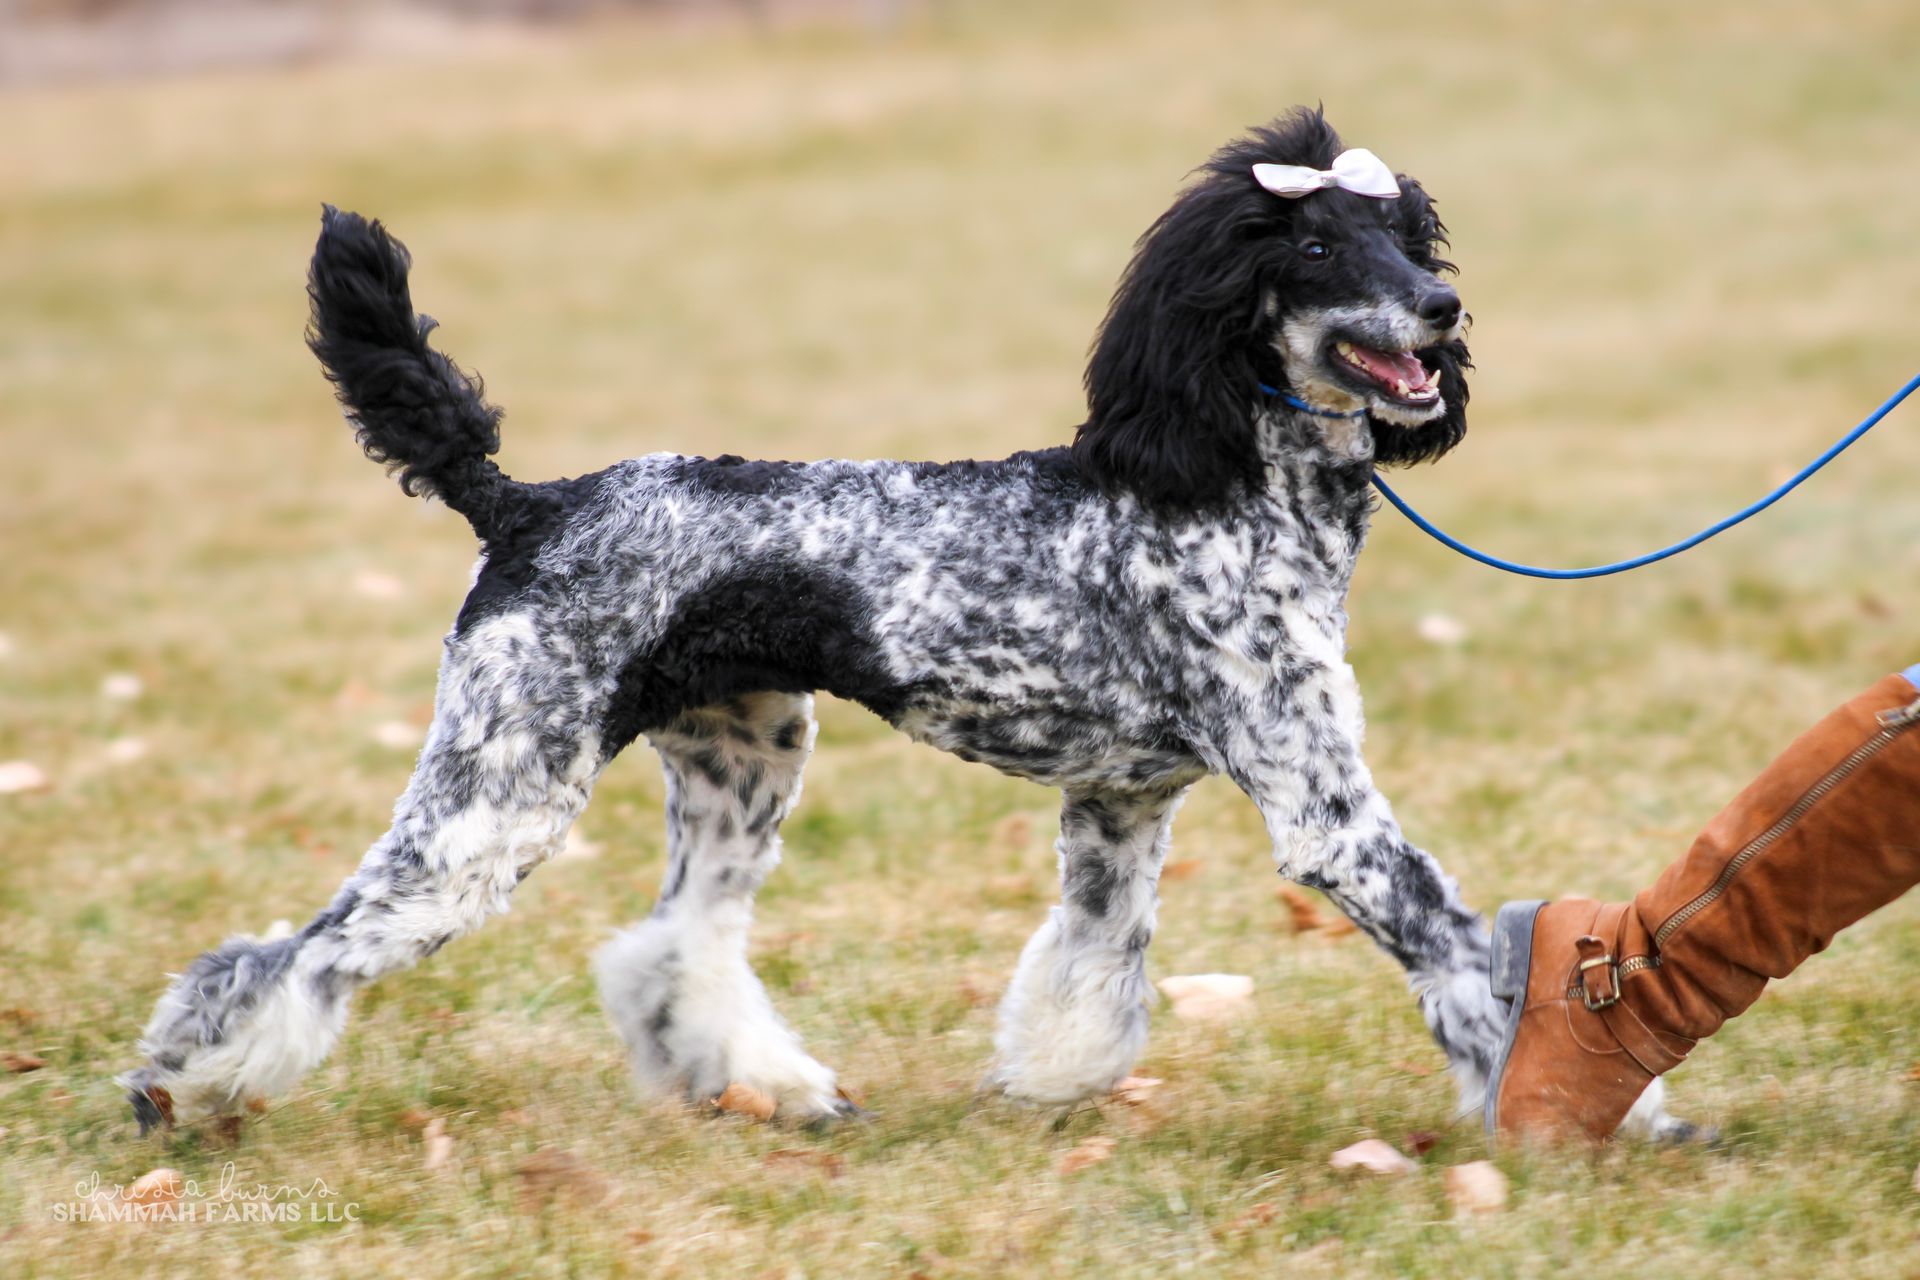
1423,238
1173,385
1172,380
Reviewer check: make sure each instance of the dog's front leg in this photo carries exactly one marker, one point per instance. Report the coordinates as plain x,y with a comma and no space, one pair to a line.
1298,756
1075,1016
1295,749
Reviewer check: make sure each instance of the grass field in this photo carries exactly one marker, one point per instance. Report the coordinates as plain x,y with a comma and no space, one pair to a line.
1687,237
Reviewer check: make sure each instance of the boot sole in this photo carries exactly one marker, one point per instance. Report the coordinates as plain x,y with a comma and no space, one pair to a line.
1512,962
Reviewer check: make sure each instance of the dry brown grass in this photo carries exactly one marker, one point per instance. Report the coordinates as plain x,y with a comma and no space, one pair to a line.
822,243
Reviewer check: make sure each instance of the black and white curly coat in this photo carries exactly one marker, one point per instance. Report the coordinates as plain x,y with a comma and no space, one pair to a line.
1162,600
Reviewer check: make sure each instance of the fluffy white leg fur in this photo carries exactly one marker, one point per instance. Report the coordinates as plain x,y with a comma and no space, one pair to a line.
490,799
1075,1017
695,1018
288,1031
677,986
1072,1023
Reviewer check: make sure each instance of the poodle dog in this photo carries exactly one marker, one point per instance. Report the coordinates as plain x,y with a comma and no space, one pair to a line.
1163,600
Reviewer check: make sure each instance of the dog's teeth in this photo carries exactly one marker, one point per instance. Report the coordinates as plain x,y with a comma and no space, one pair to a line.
1344,348
1401,389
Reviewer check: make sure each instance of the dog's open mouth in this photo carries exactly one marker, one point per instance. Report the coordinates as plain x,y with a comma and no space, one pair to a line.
1398,374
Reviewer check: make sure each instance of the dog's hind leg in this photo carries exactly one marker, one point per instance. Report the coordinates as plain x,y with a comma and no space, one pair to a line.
677,985
1075,1017
506,768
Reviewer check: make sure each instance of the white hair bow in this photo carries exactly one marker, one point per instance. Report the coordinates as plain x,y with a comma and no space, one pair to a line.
1359,171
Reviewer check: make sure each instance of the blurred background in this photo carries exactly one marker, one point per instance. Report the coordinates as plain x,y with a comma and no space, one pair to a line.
800,228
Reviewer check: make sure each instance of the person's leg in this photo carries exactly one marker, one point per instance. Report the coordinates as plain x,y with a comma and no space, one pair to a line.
1604,997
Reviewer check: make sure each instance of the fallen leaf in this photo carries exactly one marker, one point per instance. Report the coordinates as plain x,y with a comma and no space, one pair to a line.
160,1186
1303,913
257,1105
847,1096
1258,1216
974,993
21,775
1180,869
1913,1073
21,1063
1134,1090
20,1016
121,686
1438,628
226,1130
1207,997
550,1172
414,1119
1372,1155
162,1102
375,585
126,750
825,1163
436,1147
1086,1155
1013,832
1421,1141
745,1100
353,695
639,1235
1476,1187
396,734
1339,927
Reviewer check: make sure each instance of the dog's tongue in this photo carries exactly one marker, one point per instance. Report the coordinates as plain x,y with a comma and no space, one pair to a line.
1391,367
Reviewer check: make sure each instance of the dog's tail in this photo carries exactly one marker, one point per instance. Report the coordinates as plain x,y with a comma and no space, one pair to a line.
411,407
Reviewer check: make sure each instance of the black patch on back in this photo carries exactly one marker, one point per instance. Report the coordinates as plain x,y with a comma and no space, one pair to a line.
771,627
731,473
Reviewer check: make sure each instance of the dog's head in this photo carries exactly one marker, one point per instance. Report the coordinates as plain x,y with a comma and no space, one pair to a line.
1333,297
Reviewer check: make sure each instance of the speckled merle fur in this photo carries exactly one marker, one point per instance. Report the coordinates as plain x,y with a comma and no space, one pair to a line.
1162,600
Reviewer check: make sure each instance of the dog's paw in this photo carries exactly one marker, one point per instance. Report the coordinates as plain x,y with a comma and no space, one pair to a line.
152,1101
243,1023
1650,1121
845,1111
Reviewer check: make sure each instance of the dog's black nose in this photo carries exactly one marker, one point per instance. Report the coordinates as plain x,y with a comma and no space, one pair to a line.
1438,306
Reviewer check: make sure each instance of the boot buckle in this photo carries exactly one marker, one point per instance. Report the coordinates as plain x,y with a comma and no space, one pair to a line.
1599,975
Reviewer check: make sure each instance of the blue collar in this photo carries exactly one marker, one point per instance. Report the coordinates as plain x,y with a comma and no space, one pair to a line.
1295,402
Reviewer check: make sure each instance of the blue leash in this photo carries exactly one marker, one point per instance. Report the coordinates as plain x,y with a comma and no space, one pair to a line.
1619,566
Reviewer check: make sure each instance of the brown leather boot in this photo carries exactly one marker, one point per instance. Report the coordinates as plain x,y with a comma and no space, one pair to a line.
1604,997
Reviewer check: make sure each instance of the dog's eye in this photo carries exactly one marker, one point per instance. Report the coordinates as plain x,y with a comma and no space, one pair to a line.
1314,251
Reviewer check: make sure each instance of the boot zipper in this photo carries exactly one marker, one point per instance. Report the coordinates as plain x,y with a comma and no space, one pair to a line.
1893,722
